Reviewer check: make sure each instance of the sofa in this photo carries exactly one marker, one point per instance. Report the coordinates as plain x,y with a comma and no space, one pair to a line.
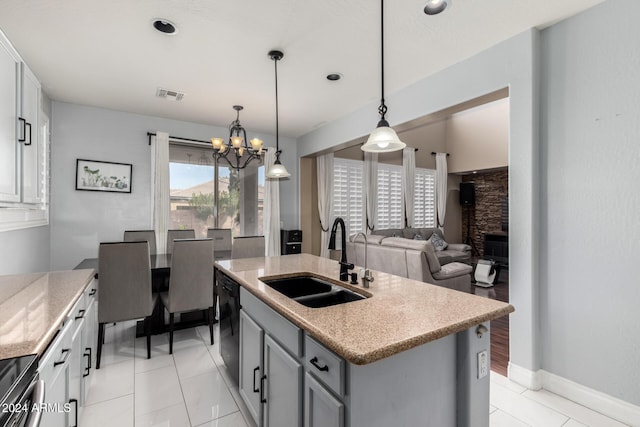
446,252
413,259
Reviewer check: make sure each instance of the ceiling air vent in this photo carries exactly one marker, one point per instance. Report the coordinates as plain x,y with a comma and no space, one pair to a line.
169,94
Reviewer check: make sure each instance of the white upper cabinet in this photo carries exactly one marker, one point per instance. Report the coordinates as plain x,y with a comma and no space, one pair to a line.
23,144
9,107
32,150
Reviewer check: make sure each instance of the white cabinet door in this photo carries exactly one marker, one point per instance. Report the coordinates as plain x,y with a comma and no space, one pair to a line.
32,147
283,387
251,342
89,342
75,372
9,148
321,409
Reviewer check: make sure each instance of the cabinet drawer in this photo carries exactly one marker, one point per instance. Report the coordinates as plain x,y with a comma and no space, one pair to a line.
325,365
79,308
56,357
91,291
288,334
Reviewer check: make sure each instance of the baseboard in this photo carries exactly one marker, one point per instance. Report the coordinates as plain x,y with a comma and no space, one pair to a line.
610,406
524,376
598,401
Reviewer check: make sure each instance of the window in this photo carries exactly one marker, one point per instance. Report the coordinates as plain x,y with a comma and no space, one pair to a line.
390,197
205,196
348,194
424,199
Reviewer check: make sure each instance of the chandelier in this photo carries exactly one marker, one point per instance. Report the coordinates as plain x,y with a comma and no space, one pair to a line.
236,151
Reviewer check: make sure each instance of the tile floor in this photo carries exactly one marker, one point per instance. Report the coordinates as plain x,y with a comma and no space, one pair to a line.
192,388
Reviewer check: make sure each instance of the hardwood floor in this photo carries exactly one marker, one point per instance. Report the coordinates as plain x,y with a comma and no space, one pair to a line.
499,327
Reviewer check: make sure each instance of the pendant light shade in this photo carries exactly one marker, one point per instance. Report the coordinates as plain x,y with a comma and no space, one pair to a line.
383,138
277,170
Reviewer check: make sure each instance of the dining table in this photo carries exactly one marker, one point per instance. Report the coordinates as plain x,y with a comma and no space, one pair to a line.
160,273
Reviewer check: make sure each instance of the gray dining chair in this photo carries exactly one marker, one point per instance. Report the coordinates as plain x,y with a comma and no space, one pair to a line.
140,235
221,242
247,247
191,281
125,287
178,234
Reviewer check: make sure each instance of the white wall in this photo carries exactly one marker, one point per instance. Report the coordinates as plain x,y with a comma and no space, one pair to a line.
590,221
82,219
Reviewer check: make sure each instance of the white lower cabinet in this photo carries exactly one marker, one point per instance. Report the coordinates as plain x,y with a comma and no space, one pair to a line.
66,364
54,371
321,409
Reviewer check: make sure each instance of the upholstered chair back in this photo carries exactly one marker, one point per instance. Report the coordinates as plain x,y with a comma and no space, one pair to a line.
139,235
125,281
191,280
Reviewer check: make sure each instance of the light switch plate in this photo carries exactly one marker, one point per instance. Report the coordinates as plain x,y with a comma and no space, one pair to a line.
483,364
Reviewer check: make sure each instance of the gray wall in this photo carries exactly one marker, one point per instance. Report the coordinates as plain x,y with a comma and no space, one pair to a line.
590,225
24,251
82,219
513,64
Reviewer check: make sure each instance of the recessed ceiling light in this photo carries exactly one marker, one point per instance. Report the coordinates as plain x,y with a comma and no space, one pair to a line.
164,26
434,7
334,77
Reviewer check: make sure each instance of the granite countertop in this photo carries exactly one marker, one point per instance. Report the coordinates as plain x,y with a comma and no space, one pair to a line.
400,314
33,306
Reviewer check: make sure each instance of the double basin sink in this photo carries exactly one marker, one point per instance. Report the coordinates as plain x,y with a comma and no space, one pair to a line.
312,291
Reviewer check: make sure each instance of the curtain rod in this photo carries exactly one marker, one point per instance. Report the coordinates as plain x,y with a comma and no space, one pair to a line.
179,138
433,153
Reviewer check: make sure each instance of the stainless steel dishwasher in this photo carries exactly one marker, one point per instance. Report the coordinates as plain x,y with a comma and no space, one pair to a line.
229,303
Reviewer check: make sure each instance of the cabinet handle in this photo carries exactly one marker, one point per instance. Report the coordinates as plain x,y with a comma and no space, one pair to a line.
256,369
87,354
75,403
314,362
80,314
262,399
24,130
92,293
29,125
65,352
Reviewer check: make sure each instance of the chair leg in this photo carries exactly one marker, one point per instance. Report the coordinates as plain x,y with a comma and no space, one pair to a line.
100,342
147,330
170,333
211,323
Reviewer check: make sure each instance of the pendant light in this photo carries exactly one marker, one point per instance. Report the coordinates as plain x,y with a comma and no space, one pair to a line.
383,138
277,170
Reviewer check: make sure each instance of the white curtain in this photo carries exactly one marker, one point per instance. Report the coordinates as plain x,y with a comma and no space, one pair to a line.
324,166
441,187
271,214
160,186
371,189
408,182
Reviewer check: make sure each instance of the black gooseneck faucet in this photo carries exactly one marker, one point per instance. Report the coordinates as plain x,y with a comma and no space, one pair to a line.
344,265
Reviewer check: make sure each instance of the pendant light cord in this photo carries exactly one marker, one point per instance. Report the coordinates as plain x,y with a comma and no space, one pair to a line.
382,109
275,61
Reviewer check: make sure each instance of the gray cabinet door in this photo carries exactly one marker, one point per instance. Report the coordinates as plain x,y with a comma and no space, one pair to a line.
283,394
321,409
249,383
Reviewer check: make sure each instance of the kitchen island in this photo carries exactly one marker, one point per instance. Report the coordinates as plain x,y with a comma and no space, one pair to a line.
409,354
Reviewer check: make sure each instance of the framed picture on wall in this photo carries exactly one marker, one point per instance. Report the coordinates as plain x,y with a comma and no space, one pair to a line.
93,175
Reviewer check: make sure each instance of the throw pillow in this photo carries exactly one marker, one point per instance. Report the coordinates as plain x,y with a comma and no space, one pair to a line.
438,242
418,236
